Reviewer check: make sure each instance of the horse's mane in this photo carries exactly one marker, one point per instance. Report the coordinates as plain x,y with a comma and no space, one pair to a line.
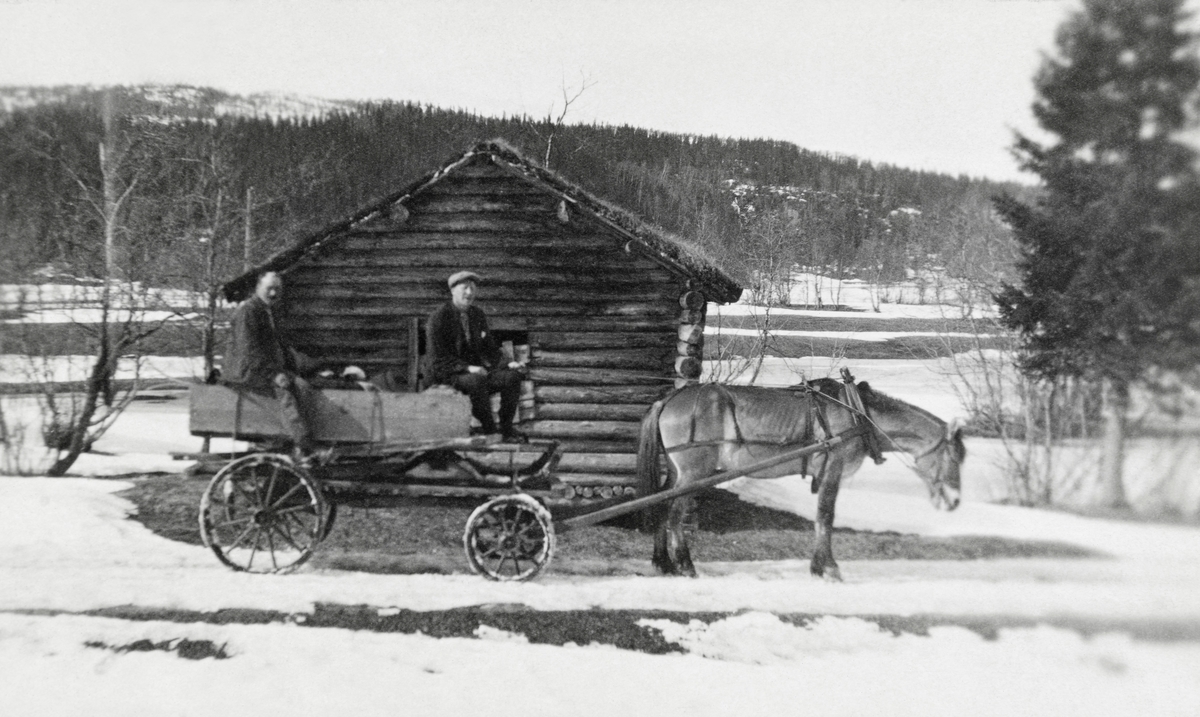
832,388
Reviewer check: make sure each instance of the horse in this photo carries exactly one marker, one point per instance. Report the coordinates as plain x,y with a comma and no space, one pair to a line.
707,428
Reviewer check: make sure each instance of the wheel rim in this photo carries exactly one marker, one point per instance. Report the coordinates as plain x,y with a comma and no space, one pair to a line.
263,514
509,538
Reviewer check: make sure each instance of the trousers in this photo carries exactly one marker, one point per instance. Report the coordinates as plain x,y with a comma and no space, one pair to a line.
479,387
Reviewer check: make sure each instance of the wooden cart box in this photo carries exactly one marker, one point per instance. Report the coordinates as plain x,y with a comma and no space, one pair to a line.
335,416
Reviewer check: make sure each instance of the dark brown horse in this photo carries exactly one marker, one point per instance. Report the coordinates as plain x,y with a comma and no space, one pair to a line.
710,428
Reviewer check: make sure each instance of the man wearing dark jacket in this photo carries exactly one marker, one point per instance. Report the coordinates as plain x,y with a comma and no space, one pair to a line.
258,360
463,354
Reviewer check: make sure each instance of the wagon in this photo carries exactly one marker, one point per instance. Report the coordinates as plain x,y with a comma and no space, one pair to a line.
264,511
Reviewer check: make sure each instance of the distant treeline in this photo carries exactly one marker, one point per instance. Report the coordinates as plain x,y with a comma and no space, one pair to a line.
191,163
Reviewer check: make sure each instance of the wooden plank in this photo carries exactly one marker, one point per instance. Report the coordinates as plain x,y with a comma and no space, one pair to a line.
334,416
581,429
591,411
612,463
643,395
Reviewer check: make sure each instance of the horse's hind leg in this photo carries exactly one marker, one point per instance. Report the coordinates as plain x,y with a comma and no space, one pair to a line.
671,554
823,565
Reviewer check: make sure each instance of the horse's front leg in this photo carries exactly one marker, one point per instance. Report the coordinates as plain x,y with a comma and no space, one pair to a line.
823,565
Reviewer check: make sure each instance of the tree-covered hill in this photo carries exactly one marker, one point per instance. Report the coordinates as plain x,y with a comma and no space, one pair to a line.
194,159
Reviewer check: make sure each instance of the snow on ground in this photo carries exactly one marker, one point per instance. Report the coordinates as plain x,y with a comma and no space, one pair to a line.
66,545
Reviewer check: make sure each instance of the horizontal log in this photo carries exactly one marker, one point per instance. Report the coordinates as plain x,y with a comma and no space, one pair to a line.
597,446
591,412
395,240
683,348
480,168
365,340
644,395
498,261
378,324
507,223
582,429
332,307
379,292
598,377
643,325
691,316
566,340
635,359
440,204
317,273
459,184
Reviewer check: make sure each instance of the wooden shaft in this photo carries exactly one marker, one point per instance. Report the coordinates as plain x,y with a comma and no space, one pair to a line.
638,503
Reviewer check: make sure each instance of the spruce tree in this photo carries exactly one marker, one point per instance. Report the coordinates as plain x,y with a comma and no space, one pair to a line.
1110,270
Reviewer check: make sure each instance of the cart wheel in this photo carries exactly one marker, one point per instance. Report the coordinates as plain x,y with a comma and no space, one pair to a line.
263,514
509,538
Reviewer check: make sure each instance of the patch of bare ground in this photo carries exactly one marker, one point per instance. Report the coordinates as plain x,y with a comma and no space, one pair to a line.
425,536
618,628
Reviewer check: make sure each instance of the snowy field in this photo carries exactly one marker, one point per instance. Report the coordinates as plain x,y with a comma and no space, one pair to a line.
67,546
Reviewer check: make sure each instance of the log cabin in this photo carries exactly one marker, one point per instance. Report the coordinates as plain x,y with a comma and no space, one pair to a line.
610,308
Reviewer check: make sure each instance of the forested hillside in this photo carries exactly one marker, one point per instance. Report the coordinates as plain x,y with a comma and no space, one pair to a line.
186,166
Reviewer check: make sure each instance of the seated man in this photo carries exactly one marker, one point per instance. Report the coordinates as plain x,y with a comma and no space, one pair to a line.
258,360
464,355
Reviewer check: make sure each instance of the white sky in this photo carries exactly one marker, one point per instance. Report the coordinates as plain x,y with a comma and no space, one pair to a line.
926,84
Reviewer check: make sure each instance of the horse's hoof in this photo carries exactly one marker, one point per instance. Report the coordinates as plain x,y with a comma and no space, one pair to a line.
826,571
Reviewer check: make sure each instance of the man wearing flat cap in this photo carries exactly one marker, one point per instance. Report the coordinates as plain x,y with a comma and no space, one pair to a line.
463,354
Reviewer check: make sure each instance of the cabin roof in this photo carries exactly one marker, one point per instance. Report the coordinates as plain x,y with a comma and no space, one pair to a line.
657,243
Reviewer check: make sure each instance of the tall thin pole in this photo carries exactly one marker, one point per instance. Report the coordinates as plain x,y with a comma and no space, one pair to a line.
246,263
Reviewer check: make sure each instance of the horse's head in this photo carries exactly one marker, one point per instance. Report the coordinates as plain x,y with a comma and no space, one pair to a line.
938,465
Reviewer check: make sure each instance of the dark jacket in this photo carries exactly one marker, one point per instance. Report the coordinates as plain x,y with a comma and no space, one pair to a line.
256,351
450,351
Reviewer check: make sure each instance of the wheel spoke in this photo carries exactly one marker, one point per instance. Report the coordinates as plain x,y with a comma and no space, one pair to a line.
232,521
271,484
285,532
271,545
306,508
249,529
299,485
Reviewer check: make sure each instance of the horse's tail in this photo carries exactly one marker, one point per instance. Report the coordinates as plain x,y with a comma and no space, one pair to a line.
649,473
649,452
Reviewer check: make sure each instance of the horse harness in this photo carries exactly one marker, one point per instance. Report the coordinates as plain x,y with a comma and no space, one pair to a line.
816,416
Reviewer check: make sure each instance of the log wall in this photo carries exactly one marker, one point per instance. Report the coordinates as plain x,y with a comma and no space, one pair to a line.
604,325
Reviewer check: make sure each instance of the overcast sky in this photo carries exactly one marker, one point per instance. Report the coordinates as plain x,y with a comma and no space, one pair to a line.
927,84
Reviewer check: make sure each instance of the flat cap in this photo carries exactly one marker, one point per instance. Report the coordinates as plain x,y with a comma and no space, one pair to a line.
459,277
